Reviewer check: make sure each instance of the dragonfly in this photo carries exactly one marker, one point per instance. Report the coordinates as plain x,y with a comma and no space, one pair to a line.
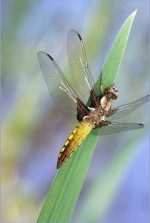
92,110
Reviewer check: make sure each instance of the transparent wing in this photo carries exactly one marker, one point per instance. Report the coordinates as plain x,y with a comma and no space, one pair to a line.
80,76
55,79
116,127
124,110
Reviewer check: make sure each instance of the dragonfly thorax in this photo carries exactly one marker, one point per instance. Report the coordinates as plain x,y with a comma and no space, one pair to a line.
105,103
95,116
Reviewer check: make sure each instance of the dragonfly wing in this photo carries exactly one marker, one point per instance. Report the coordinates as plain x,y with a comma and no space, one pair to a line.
124,110
116,127
80,75
54,77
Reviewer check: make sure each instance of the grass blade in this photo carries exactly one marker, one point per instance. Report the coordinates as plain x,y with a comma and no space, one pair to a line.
113,60
65,190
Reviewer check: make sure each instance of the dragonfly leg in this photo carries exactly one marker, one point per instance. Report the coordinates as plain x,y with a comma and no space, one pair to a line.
82,110
94,100
102,123
111,112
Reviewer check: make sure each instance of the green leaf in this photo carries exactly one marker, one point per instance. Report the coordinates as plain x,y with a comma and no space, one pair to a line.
112,63
66,187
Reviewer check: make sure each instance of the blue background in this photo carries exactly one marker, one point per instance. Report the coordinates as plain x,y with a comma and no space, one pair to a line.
34,129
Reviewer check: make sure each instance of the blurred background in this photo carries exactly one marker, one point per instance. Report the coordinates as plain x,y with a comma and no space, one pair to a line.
34,129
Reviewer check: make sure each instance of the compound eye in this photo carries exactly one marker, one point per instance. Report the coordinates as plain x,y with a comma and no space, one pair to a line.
114,96
115,89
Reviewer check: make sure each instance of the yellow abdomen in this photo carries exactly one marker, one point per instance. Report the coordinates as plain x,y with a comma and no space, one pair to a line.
78,134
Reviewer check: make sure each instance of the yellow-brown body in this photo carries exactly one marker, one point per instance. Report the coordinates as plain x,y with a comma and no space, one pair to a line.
95,118
79,133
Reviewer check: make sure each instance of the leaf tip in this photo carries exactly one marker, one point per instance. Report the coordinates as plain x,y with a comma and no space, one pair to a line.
134,13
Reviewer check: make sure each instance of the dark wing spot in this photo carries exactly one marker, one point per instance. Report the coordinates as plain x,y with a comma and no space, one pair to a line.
50,57
79,37
141,125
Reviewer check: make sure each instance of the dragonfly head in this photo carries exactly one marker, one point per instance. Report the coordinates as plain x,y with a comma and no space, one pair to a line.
111,92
